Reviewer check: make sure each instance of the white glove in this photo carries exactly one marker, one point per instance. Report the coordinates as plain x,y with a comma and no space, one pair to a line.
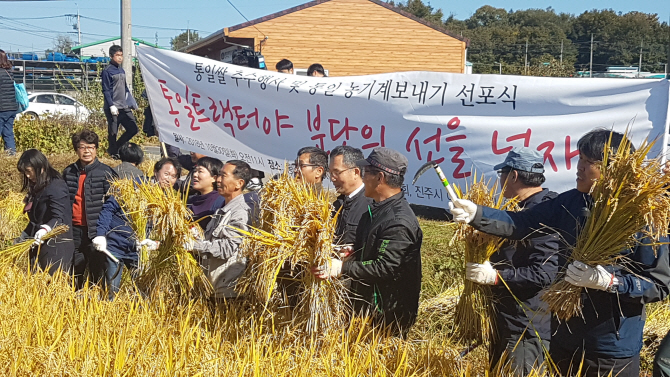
114,110
196,232
151,245
481,273
100,243
44,229
463,210
582,275
331,269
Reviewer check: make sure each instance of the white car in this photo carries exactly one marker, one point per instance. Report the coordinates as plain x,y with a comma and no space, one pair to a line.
42,104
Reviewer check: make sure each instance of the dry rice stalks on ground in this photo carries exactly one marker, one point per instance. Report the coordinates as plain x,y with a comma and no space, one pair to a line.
293,235
12,218
171,267
48,329
630,197
474,312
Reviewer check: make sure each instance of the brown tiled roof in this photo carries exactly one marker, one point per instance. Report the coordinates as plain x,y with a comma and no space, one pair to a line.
378,2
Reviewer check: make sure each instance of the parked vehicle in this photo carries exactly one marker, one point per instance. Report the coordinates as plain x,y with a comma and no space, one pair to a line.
42,104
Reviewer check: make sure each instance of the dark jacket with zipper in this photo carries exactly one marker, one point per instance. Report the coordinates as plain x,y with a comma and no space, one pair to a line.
613,322
7,92
350,212
386,266
96,186
115,227
525,267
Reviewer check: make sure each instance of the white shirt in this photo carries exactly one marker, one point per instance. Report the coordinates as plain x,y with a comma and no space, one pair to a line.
356,191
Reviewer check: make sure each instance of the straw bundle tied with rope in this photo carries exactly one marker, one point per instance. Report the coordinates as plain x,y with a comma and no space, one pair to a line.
146,204
474,312
295,232
630,197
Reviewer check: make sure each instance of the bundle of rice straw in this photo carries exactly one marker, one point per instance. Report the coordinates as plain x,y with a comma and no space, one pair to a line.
631,196
147,204
12,218
18,251
474,312
295,232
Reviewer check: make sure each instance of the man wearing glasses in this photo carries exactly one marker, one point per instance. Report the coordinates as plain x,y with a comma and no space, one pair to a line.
385,261
87,181
352,203
520,270
311,166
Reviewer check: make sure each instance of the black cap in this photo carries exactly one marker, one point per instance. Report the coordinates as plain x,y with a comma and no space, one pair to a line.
387,160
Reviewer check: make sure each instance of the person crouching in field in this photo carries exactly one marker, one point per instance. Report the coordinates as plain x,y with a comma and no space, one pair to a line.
608,338
519,271
115,237
47,204
219,250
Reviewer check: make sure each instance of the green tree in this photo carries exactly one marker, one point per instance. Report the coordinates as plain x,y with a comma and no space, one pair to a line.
182,40
421,10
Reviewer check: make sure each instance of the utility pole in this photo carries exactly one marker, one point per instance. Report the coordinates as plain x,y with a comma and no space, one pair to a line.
156,39
591,59
500,67
525,64
78,27
127,42
639,67
561,52
188,34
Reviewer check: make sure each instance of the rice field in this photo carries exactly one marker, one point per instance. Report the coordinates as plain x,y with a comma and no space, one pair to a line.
48,329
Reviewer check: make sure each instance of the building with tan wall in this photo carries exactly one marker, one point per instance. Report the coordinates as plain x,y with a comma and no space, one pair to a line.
348,37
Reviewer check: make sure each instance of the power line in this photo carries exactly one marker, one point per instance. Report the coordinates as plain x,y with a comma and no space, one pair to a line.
243,16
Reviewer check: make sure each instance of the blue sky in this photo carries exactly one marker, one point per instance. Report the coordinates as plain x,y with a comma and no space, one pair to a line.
20,34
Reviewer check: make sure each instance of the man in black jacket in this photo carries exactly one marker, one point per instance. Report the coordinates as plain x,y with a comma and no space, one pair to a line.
385,266
352,203
87,181
519,271
608,336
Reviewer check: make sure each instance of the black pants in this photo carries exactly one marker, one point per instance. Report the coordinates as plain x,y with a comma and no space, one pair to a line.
88,263
520,356
662,359
568,363
125,119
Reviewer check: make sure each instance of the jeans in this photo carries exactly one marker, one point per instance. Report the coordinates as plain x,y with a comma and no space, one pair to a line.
127,120
112,277
7,130
662,359
88,263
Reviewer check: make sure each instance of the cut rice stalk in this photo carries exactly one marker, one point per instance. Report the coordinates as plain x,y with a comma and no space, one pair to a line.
630,197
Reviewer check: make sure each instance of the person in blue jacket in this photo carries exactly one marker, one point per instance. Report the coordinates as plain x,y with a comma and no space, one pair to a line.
119,102
117,239
519,271
608,338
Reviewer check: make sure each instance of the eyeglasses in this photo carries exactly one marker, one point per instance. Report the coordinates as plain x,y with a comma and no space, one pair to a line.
336,173
86,148
300,165
168,175
369,171
503,171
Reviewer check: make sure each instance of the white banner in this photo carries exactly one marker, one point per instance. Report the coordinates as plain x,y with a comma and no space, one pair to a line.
466,122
